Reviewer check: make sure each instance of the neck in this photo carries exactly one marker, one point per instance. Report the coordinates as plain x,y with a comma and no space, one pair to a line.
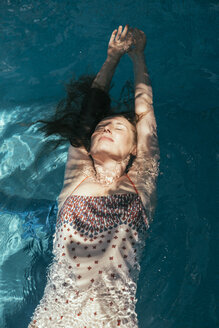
109,171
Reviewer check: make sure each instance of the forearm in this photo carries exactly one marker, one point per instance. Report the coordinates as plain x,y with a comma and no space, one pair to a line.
105,75
143,88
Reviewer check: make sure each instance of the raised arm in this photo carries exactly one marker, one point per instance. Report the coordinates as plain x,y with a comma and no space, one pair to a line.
146,127
96,104
118,45
145,169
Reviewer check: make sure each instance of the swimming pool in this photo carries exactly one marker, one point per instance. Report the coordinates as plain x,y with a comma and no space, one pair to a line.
45,43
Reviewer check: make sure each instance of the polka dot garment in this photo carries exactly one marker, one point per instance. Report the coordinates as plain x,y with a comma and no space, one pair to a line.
97,247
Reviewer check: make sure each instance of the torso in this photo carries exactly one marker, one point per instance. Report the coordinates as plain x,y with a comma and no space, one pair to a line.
97,246
100,235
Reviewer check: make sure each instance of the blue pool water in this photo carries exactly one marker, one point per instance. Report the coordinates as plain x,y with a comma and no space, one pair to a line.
43,43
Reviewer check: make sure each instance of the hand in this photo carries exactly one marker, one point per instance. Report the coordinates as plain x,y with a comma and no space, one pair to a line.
120,42
138,42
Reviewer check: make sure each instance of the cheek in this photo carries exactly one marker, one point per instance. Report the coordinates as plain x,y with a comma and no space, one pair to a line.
124,144
129,143
127,139
93,138
94,142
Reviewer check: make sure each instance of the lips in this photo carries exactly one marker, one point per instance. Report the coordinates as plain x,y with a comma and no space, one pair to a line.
106,138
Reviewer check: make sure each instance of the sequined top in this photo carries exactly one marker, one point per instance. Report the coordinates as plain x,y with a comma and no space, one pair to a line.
97,248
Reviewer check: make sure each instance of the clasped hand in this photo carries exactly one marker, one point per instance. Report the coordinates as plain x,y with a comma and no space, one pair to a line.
131,41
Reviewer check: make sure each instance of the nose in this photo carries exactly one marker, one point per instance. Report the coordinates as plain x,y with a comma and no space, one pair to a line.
106,128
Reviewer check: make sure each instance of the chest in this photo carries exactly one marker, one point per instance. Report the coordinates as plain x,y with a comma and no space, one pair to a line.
88,187
85,187
120,187
91,215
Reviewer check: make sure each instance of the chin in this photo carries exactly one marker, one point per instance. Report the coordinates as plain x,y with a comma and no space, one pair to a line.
104,155
104,151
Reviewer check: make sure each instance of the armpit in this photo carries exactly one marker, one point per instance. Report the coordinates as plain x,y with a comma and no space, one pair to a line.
144,172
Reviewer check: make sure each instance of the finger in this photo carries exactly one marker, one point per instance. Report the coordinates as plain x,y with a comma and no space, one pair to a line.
112,36
130,34
135,31
119,33
130,31
124,33
139,33
142,33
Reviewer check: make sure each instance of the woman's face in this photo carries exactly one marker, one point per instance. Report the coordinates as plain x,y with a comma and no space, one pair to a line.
113,138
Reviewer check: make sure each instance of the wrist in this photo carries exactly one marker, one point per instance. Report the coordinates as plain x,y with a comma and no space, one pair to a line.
138,57
115,58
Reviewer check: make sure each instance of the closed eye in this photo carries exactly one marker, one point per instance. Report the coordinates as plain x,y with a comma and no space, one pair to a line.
118,126
99,127
121,127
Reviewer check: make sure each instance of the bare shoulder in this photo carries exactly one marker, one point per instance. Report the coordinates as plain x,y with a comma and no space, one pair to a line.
76,169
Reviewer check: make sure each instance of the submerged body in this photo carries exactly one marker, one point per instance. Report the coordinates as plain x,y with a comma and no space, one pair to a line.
97,248
103,218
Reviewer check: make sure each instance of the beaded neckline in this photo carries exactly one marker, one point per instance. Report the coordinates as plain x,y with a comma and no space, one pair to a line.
106,196
109,196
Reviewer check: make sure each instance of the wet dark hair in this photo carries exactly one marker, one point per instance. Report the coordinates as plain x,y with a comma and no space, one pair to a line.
77,115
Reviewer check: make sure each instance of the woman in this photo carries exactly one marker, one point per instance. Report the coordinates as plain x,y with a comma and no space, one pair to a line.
106,204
